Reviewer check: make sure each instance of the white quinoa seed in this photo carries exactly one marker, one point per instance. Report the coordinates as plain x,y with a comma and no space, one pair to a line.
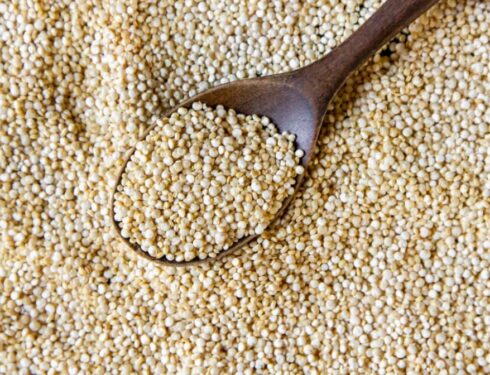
344,283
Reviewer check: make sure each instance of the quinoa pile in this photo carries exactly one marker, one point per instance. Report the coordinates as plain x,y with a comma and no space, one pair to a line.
202,179
381,264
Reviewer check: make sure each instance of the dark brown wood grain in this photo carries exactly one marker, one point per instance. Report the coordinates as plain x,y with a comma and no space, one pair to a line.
296,101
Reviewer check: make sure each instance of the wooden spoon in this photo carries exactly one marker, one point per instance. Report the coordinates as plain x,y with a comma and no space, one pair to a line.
296,101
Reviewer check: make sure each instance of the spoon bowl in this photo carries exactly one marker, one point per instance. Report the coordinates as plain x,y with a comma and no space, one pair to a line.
296,101
289,109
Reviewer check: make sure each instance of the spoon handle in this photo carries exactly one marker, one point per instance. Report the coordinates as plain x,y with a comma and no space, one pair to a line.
329,73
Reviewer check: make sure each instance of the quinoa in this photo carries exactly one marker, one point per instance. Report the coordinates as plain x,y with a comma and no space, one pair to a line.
203,179
381,263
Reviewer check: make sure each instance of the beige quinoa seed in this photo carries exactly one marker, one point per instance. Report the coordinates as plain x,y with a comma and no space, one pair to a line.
381,264
202,179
